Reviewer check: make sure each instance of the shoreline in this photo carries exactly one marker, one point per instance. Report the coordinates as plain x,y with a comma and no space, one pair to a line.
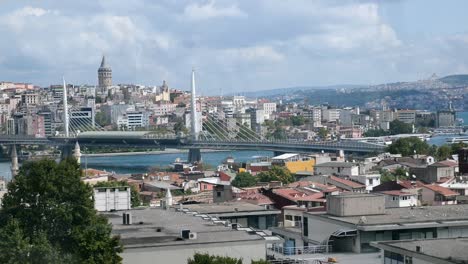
156,152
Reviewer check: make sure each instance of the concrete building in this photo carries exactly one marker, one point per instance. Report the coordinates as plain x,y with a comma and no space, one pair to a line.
268,109
445,118
337,168
345,230
369,180
112,198
314,115
294,162
174,236
435,171
137,119
424,251
244,214
404,198
330,115
406,116
433,194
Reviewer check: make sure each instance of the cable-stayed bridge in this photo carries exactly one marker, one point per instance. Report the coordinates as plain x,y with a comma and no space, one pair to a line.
209,130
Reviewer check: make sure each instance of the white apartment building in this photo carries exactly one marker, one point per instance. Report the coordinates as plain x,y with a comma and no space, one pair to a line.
330,115
163,109
268,108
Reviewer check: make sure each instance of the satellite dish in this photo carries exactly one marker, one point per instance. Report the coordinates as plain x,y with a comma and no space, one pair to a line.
407,174
414,176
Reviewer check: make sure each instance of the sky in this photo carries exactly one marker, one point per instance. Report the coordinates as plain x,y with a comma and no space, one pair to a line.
234,46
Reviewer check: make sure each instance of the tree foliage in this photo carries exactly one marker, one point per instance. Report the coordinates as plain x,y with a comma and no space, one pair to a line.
134,195
399,173
297,120
276,173
443,152
48,213
206,258
399,127
244,179
211,259
376,133
409,146
323,133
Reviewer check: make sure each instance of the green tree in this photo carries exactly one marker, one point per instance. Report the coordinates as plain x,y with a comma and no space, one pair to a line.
443,152
48,207
399,173
399,127
199,258
276,173
409,146
135,196
179,127
206,258
323,133
244,179
102,119
456,147
297,120
376,133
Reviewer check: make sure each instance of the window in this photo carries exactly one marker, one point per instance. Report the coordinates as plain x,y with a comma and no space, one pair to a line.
218,194
371,181
305,227
288,217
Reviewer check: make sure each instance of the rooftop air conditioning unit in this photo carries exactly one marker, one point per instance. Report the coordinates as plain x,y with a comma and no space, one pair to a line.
192,236
185,234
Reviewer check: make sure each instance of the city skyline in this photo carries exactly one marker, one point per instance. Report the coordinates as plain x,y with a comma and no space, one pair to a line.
231,45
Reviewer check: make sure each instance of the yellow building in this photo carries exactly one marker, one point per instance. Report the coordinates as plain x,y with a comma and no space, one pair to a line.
294,162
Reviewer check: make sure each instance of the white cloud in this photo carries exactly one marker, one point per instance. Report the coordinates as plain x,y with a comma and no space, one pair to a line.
305,43
209,10
255,53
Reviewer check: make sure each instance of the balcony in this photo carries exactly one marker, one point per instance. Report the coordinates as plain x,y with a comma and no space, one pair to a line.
280,251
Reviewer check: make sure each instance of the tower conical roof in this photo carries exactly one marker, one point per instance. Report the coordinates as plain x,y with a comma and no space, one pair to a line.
103,62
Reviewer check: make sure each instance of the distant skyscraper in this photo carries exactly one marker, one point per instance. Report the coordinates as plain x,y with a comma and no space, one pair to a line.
104,76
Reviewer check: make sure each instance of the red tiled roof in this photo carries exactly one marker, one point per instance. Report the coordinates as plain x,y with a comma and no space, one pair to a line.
445,163
349,183
307,184
441,190
410,184
255,198
295,195
224,177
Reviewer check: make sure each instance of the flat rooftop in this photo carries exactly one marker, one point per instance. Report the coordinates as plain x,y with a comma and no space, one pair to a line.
157,228
406,218
452,250
230,209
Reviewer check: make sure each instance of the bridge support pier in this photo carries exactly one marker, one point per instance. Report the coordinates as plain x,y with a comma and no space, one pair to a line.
67,151
194,155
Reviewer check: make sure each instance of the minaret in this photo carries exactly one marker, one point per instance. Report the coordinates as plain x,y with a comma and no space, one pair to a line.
168,198
104,76
65,109
193,107
14,162
77,153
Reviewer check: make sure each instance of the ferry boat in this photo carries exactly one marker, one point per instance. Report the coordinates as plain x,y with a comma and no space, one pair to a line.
458,140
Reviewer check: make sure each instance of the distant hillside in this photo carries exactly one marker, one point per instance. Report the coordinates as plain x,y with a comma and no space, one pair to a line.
456,80
288,90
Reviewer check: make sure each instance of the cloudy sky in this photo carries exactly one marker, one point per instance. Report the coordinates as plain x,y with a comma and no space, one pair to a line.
237,46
